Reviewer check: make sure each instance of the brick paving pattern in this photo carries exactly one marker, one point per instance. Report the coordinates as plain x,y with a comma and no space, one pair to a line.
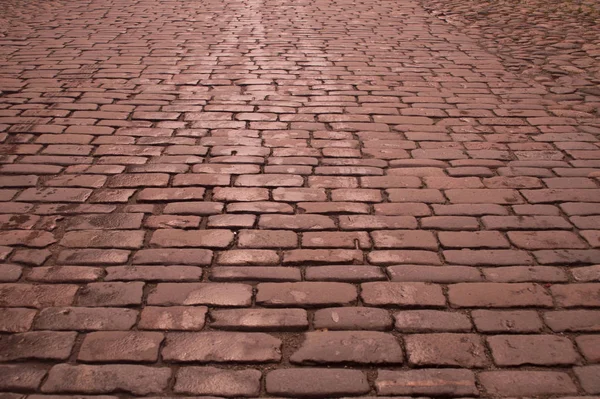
307,198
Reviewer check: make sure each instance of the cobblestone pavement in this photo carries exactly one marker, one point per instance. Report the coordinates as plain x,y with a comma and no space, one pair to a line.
289,198
556,43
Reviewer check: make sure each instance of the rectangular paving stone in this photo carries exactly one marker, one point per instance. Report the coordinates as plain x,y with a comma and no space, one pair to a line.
501,295
511,383
36,296
183,318
103,239
402,294
98,379
221,347
311,382
352,318
215,294
216,381
167,256
13,320
85,319
305,294
93,257
434,382
55,195
255,273
573,320
37,345
507,321
363,347
588,378
259,319
445,349
153,273
192,238
120,346
541,350
431,321
110,294
21,377
113,221
433,274
28,238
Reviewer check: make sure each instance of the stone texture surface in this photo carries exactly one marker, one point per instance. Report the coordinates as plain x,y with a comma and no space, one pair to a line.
317,198
368,347
434,382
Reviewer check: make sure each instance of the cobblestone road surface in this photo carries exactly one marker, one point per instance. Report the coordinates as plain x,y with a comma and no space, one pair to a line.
289,198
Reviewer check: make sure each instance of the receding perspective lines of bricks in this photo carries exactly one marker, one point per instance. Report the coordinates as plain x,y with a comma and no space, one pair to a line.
298,198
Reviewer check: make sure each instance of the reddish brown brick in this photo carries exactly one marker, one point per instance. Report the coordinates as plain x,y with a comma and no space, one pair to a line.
517,274
273,180
221,347
120,346
366,347
444,349
545,239
16,319
192,238
542,350
392,257
573,320
166,256
186,318
431,321
259,319
527,383
215,381
352,318
17,377
498,295
348,273
488,257
572,295
93,257
113,221
110,294
404,239
305,294
41,345
29,238
311,382
322,256
402,294
242,257
139,180
476,239
589,345
85,319
267,239
103,239
434,382
134,379
36,296
55,195
171,194
508,321
255,273
434,274
588,378
296,222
